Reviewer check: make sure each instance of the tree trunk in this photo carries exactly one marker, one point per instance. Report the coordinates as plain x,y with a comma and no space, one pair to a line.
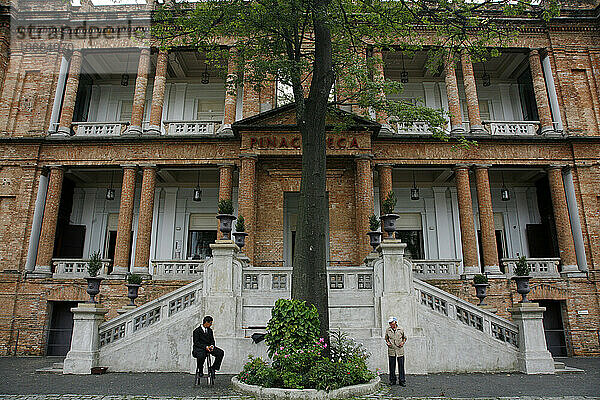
309,276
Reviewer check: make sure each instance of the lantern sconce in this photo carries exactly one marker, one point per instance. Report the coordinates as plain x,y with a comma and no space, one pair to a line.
414,191
504,193
110,192
197,190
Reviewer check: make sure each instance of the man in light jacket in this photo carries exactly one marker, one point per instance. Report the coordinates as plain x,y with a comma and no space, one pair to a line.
395,339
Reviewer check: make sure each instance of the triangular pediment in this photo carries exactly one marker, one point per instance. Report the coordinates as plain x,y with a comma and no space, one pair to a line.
284,119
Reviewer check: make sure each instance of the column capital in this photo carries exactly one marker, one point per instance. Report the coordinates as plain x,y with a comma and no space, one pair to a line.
461,166
248,155
55,166
364,157
148,165
129,166
226,165
384,165
482,166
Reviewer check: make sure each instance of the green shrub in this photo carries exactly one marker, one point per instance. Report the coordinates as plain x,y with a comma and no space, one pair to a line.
373,222
225,206
94,264
343,348
257,372
134,279
480,279
389,204
521,267
293,324
240,224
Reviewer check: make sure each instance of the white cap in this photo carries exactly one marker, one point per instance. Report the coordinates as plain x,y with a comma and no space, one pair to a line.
392,319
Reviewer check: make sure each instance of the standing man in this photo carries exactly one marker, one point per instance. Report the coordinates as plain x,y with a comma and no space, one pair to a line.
395,339
204,344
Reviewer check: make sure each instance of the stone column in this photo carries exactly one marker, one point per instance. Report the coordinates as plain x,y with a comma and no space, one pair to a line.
144,231
456,126
225,186
566,245
364,203
66,115
380,115
467,225
533,357
158,93
84,352
43,264
251,100
247,200
486,221
139,96
471,94
230,92
541,95
123,241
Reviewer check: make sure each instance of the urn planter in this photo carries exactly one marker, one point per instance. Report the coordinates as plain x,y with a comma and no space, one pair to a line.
132,292
522,287
93,287
239,238
389,224
481,292
225,226
375,238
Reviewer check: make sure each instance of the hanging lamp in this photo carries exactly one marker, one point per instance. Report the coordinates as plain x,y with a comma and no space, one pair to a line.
197,190
414,191
504,193
110,192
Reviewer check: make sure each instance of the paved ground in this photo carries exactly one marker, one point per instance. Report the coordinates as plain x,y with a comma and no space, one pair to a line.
19,381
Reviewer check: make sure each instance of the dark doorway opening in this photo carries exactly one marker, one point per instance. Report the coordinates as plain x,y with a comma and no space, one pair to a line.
553,328
61,328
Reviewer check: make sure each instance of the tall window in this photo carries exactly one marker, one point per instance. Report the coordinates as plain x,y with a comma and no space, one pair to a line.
202,232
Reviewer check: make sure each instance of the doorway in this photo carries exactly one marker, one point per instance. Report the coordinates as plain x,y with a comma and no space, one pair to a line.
553,327
61,328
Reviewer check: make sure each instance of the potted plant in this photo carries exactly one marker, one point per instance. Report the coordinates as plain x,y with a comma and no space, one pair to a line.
133,284
225,217
374,233
388,218
240,235
481,284
522,278
93,280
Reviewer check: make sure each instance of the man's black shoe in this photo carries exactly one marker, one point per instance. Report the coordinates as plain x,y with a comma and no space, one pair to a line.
200,374
402,383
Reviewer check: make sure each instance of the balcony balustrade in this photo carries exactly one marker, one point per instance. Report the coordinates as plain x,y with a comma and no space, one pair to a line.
177,270
437,269
540,267
99,129
512,128
69,268
192,128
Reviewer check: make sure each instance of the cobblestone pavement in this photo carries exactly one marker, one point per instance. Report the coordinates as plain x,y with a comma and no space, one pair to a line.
20,382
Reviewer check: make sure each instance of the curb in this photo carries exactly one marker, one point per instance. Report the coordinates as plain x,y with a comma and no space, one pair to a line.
301,394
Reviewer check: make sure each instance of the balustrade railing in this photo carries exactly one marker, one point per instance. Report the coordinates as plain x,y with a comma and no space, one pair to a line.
512,128
99,129
184,270
540,267
437,269
467,313
192,127
416,127
69,268
150,313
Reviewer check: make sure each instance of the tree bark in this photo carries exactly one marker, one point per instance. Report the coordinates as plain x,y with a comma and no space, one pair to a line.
309,276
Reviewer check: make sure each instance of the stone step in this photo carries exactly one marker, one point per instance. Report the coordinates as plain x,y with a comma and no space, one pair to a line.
561,368
55,368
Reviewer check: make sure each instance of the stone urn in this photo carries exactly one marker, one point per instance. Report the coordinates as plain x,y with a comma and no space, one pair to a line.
375,238
481,292
388,221
93,287
522,286
225,225
132,292
239,238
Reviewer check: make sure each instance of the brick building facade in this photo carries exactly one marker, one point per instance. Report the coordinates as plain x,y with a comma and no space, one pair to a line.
106,114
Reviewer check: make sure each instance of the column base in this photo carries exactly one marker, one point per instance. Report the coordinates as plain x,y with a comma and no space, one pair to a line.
153,130
40,271
457,130
572,271
493,271
470,272
549,131
478,130
118,272
61,133
386,128
225,129
143,272
133,130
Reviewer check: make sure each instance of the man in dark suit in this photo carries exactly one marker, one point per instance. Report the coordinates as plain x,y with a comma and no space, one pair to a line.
204,344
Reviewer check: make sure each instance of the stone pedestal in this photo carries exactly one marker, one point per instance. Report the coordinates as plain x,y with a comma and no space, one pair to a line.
399,301
84,342
533,357
125,309
222,286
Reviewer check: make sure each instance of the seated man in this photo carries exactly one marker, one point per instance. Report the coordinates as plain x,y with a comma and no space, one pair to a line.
204,344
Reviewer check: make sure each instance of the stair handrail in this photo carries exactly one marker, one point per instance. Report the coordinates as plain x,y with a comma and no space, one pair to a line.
124,324
467,313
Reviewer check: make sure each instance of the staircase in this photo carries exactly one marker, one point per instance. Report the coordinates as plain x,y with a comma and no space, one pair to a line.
445,333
